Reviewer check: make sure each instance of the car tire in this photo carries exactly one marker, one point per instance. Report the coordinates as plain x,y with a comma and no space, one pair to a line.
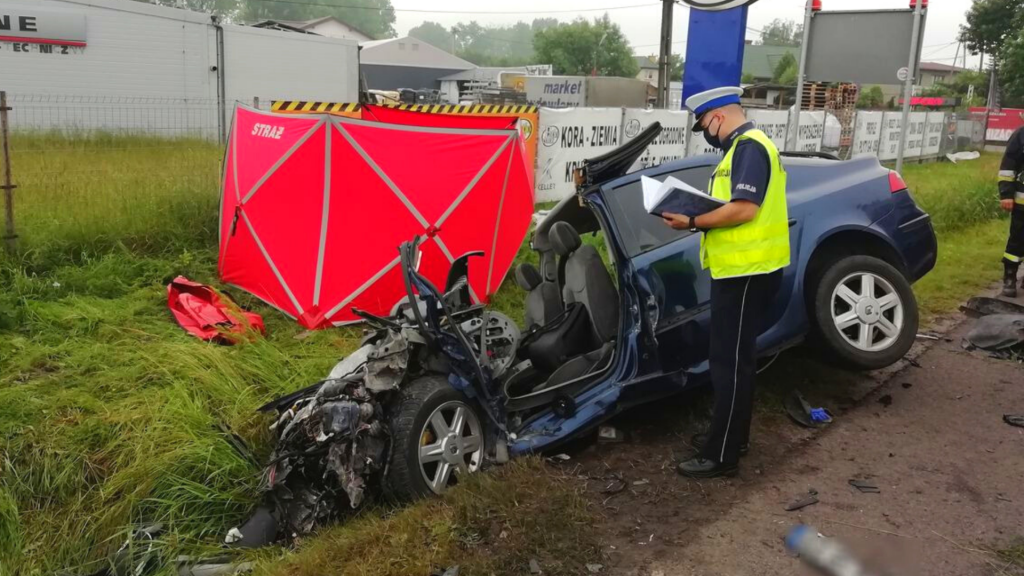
415,427
864,312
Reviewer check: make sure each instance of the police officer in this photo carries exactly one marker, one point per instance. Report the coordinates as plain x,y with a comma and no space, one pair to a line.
1011,198
745,245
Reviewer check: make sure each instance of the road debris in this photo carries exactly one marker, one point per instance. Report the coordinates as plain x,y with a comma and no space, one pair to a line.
996,332
886,400
535,567
907,385
825,554
864,486
981,306
1014,420
804,501
610,435
803,414
594,568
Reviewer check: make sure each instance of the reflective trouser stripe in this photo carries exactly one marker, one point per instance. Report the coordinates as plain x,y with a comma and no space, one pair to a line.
1007,176
1019,197
1011,258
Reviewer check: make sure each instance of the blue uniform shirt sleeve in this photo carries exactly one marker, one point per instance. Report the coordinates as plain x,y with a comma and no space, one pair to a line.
751,170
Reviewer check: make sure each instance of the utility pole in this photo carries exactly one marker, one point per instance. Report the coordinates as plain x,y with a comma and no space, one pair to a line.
665,60
793,135
992,102
908,84
10,237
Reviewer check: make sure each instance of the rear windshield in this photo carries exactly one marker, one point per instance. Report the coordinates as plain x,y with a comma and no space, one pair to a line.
639,230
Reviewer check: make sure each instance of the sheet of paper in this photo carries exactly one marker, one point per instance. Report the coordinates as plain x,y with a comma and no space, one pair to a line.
654,192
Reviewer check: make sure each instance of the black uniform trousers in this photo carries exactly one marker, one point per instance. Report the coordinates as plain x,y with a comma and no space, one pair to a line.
739,309
1015,245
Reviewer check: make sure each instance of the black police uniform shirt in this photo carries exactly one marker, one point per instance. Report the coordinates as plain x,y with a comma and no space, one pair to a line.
751,167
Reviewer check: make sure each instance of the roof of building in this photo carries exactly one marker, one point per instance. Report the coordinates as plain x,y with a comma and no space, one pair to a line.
937,67
409,51
305,25
483,73
647,62
760,60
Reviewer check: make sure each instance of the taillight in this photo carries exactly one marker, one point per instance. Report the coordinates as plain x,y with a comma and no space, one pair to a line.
896,183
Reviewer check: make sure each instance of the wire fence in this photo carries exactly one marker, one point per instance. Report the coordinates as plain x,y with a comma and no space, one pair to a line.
97,169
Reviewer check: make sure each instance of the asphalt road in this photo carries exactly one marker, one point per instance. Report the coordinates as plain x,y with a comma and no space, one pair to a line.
932,438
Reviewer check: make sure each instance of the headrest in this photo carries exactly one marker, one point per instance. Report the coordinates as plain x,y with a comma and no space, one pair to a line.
527,276
564,239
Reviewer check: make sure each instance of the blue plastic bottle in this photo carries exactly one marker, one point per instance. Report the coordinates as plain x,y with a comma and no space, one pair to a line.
826,554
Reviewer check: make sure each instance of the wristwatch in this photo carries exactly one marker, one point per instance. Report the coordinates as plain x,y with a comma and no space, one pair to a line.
693,225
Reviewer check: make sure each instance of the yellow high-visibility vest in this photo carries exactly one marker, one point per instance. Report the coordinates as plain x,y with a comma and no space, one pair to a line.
760,246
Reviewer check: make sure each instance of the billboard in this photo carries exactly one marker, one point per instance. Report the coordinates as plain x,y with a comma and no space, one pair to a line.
567,138
556,91
863,47
1002,124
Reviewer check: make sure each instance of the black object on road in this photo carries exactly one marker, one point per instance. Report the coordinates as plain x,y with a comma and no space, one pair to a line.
804,501
1014,420
864,486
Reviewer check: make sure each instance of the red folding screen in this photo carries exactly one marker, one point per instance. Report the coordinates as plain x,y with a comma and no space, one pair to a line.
314,207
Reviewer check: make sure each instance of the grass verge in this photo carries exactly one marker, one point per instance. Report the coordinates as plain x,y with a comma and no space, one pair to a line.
494,524
969,263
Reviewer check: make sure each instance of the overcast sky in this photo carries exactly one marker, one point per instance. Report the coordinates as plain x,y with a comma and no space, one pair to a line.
641,23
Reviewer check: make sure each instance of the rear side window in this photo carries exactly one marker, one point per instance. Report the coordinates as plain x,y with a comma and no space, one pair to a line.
640,231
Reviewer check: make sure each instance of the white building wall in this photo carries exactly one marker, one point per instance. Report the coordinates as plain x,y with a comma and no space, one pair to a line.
153,69
335,29
134,50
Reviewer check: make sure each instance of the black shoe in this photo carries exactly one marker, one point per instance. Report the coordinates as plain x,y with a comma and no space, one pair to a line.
701,468
1010,281
698,441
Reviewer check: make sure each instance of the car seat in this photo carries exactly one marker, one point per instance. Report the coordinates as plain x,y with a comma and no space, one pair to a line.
587,282
543,302
581,337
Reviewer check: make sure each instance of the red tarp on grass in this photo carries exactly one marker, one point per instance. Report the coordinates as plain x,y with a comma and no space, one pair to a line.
200,311
314,208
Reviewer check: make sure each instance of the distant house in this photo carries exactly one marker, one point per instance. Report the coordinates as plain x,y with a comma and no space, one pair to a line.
648,69
407,62
328,26
933,73
760,60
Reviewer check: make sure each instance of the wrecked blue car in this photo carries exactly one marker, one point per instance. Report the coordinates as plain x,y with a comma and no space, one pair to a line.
617,315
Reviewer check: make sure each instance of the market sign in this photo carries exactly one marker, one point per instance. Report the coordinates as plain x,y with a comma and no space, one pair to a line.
556,91
28,25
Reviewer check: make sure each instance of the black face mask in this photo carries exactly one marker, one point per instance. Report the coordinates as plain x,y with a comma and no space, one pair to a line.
712,139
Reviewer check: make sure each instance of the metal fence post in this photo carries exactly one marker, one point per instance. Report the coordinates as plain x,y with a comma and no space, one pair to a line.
256,102
10,237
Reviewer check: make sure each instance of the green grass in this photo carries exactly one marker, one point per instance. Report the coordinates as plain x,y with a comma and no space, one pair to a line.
969,262
1014,555
971,228
495,524
78,196
956,195
108,410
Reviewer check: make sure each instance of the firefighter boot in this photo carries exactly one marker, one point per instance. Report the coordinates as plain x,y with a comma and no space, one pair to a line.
1010,280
